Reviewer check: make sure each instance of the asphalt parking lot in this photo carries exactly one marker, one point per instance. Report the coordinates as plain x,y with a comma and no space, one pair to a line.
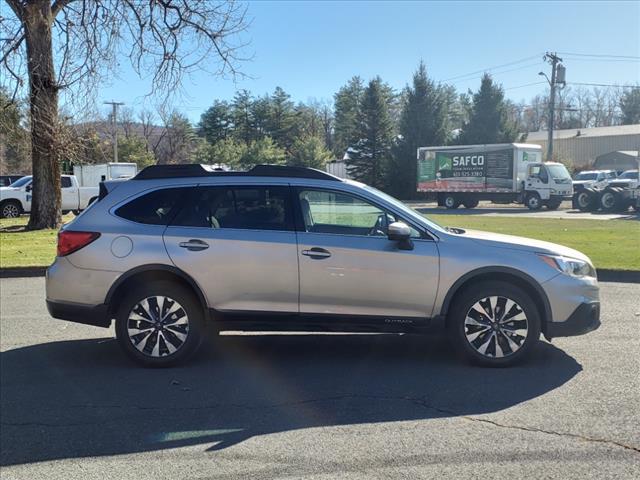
315,406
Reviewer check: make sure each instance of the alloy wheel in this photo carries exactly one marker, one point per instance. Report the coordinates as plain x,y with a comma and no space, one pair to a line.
158,326
496,327
10,210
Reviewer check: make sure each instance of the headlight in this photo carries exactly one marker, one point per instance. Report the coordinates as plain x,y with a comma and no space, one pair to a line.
570,266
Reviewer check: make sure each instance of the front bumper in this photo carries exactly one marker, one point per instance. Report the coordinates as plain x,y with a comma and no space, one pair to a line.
584,319
87,314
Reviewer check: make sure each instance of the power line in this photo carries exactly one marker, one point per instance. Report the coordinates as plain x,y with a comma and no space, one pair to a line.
498,73
525,85
492,68
600,55
603,85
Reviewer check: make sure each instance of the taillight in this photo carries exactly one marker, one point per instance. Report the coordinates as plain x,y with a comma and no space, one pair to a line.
70,241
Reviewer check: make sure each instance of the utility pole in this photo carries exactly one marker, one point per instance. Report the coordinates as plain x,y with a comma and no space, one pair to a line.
114,124
557,77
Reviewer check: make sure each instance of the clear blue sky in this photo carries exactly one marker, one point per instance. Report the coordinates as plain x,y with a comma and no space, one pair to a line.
312,48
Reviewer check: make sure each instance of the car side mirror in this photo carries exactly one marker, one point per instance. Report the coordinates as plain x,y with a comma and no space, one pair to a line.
28,188
400,232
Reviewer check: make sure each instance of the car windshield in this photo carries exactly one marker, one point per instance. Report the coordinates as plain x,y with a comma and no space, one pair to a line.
630,174
410,212
586,176
21,181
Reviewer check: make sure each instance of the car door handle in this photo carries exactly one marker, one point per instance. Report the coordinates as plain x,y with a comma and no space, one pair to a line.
194,245
317,253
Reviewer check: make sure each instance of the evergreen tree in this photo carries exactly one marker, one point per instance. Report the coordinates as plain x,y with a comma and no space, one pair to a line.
369,157
216,123
347,109
423,123
281,118
630,106
489,119
262,151
242,114
310,152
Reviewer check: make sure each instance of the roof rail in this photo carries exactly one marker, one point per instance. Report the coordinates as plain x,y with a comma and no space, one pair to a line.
199,170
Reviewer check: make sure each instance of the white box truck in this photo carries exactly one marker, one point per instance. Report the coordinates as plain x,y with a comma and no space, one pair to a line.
502,173
92,175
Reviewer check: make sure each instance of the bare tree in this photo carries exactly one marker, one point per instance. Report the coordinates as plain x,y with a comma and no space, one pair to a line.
166,38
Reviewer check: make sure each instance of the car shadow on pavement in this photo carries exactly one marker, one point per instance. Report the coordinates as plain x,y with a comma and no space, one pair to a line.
83,398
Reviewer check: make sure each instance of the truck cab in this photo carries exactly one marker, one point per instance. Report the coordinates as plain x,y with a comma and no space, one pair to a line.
547,184
16,198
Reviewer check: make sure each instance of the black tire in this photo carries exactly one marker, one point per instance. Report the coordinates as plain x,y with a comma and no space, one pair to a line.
468,339
610,200
450,202
587,200
472,203
532,201
553,204
11,209
154,349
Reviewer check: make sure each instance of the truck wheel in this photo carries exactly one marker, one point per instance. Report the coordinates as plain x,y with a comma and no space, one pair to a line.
451,202
160,324
610,200
471,203
494,324
11,209
586,200
532,201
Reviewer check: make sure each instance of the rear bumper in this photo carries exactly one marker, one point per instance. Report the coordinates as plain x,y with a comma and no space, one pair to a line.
87,314
584,319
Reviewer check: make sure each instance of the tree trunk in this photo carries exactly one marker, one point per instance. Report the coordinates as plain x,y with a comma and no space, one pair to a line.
43,91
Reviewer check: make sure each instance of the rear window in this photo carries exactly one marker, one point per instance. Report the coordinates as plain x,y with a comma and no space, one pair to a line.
254,208
153,208
65,182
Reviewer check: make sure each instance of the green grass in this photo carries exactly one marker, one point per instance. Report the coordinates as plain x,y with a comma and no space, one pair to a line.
22,248
613,244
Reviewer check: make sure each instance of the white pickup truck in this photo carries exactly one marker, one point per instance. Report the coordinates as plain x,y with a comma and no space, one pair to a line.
16,198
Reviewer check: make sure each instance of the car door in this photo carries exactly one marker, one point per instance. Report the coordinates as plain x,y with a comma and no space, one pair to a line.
69,193
239,245
348,266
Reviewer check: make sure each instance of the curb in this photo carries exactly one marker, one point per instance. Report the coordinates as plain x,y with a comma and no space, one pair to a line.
604,275
20,272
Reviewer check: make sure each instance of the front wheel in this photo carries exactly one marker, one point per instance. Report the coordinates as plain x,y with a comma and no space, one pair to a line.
494,324
533,202
160,324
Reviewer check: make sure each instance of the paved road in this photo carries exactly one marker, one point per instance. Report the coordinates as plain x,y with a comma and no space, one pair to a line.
315,406
518,211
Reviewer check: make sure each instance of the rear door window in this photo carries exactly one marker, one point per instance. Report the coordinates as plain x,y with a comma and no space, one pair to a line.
154,208
251,208
65,182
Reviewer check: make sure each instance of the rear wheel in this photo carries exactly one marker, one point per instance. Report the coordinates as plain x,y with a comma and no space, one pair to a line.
494,324
471,203
160,324
451,202
10,209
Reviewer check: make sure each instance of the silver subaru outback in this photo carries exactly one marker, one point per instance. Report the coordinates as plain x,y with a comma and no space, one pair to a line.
182,249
